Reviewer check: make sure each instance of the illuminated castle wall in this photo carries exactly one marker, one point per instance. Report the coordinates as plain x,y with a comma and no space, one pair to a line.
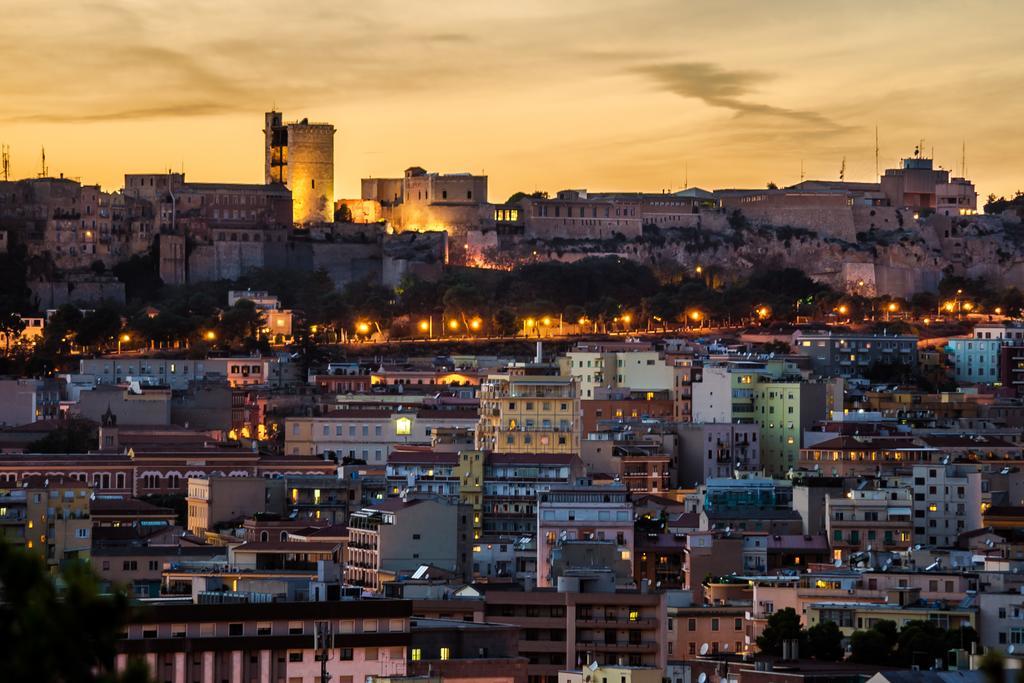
300,155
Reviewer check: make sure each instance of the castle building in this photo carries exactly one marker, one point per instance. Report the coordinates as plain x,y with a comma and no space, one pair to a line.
300,156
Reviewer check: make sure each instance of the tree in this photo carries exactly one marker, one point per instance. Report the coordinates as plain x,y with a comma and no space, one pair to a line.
871,646
772,185
825,642
240,323
782,625
36,618
99,327
77,436
505,322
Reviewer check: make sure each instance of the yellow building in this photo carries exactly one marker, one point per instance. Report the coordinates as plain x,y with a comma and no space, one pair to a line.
49,517
903,606
619,674
470,472
528,413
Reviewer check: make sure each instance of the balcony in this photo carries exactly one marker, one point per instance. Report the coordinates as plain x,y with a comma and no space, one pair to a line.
640,647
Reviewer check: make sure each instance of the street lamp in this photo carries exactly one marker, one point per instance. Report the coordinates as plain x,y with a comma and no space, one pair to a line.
210,335
475,324
363,327
696,316
890,309
763,312
427,326
124,338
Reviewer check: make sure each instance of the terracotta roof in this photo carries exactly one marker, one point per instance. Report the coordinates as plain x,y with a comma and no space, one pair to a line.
295,546
849,442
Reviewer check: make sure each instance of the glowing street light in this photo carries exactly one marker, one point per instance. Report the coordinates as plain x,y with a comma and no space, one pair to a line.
763,312
210,335
950,306
699,269
124,338
999,310
363,327
968,306
843,309
475,324
893,307
627,319
546,320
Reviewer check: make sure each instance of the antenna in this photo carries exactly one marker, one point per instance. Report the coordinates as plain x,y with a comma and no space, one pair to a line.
842,170
801,170
686,175
876,150
5,162
963,158
43,174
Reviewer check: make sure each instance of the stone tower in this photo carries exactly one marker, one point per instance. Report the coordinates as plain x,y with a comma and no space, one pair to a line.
300,155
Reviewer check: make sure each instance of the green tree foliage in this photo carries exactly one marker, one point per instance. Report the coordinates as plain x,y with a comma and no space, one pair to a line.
77,436
922,642
872,646
505,321
782,625
825,642
100,327
51,636
240,324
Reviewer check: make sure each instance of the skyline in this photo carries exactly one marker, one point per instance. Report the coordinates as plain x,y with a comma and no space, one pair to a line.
536,97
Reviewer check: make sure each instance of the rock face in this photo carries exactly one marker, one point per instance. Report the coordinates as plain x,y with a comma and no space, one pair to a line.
881,251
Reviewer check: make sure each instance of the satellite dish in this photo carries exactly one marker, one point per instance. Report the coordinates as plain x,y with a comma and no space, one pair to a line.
702,678
725,647
594,666
837,564
1011,649
704,649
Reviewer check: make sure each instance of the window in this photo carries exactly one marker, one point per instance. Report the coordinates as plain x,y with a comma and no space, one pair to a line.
714,624
295,656
234,629
446,654
371,654
417,654
345,654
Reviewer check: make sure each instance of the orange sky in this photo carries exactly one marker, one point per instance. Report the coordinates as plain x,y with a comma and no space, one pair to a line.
539,94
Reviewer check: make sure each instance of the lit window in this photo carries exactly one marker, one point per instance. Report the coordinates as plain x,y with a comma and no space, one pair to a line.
417,654
403,426
446,654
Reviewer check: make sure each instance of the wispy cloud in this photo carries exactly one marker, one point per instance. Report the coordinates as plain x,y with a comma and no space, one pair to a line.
727,89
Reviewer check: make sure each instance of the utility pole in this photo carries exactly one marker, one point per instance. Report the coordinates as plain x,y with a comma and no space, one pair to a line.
323,644
876,151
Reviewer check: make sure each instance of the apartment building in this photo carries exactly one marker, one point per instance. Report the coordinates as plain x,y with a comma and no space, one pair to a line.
772,395
716,449
846,354
947,502
976,358
869,519
370,433
528,413
274,641
512,482
586,619
583,512
48,516
398,536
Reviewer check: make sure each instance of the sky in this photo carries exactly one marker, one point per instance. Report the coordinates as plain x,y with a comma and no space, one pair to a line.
538,94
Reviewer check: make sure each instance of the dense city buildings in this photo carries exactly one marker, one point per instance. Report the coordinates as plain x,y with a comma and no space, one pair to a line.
422,434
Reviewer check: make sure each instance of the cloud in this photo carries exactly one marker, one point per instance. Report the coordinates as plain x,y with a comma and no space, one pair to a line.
725,89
